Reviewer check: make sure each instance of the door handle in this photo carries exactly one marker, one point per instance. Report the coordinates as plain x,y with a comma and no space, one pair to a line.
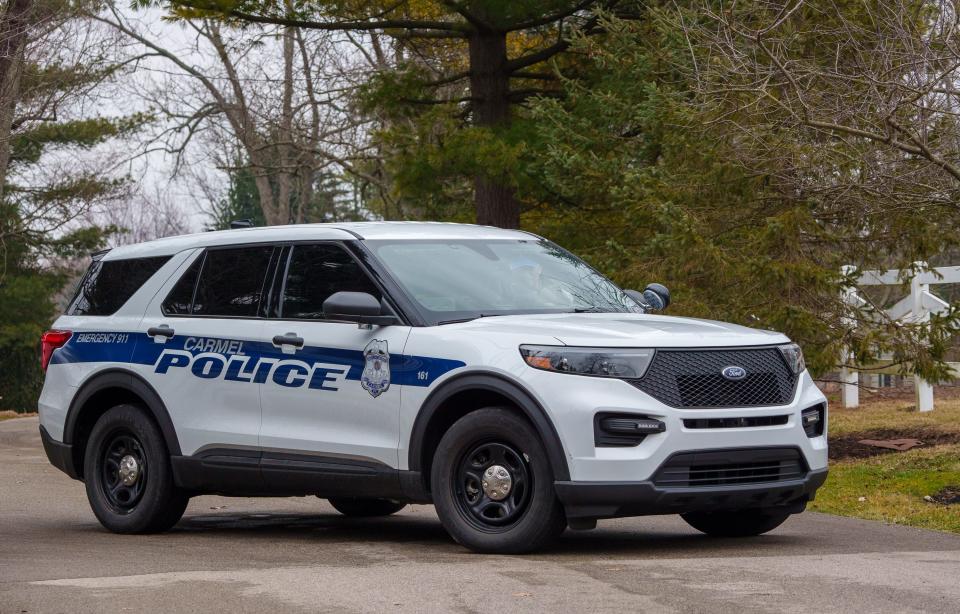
160,331
288,339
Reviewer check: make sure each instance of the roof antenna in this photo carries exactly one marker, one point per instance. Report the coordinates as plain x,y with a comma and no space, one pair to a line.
244,223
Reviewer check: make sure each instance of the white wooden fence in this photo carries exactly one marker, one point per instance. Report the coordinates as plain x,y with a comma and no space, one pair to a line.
915,307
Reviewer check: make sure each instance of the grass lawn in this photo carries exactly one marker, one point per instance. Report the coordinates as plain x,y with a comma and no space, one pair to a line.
893,414
892,486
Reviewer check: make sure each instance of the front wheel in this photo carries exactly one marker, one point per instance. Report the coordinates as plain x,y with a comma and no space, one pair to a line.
366,508
738,523
126,469
492,484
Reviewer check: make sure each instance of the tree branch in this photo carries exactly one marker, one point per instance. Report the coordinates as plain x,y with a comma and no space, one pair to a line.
553,17
524,94
472,19
535,58
925,151
415,33
449,79
383,24
427,101
538,76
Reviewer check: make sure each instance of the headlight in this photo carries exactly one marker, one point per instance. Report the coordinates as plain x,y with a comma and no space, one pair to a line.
603,362
794,357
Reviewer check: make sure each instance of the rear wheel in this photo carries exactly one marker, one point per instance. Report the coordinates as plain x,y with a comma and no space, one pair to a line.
366,507
492,484
738,523
127,474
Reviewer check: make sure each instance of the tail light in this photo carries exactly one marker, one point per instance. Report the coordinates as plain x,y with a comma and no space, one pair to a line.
51,340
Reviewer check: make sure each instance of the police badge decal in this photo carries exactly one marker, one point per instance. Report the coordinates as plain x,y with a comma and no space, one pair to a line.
376,368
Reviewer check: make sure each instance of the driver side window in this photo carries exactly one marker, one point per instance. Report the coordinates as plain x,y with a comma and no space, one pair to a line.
314,273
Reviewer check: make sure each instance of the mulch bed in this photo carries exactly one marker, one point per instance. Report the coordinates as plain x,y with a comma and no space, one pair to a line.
849,446
950,495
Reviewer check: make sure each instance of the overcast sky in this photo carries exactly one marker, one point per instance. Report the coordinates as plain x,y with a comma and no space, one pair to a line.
153,170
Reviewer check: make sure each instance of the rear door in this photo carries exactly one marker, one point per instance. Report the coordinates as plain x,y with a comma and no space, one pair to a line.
331,394
203,336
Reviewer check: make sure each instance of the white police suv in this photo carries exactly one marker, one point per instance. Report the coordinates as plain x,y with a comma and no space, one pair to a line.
487,371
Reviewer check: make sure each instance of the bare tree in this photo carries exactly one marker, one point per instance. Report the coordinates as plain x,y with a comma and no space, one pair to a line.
146,214
277,91
886,73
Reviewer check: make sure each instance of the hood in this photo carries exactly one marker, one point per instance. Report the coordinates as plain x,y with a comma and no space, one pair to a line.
624,330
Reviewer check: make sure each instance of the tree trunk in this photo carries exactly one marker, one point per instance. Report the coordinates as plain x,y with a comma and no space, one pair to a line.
494,198
271,215
284,174
307,158
305,190
13,38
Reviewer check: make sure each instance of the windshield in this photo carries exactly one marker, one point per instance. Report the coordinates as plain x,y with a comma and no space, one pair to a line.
459,280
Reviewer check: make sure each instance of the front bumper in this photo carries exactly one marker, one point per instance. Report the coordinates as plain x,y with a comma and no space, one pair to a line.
617,499
572,402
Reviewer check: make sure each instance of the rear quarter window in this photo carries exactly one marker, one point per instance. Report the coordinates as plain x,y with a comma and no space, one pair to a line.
107,285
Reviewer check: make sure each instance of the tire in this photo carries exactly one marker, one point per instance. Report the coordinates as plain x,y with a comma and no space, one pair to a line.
738,523
151,503
366,508
520,517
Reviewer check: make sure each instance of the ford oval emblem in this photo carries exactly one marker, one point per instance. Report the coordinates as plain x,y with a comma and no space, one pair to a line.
733,373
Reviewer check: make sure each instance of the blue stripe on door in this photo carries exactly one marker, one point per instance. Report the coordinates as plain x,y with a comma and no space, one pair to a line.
139,348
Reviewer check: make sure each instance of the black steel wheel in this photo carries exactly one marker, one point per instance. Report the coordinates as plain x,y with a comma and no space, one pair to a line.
492,484
126,470
493,487
123,468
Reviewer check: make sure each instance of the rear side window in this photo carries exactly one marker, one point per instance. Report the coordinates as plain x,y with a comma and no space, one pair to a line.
316,272
107,285
231,282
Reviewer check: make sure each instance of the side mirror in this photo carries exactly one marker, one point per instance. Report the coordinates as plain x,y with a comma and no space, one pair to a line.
655,297
358,307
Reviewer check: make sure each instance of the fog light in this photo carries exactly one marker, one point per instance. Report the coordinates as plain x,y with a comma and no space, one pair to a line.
624,429
812,420
628,426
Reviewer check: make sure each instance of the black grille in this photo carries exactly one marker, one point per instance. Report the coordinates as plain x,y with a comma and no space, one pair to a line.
691,378
734,423
731,467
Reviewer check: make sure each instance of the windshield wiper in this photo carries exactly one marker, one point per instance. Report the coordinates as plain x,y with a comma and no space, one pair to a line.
470,319
592,310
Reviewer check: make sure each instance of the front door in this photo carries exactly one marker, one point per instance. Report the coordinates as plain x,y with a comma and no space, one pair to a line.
330,394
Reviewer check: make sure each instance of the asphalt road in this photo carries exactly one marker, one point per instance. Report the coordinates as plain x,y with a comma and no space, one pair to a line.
264,555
